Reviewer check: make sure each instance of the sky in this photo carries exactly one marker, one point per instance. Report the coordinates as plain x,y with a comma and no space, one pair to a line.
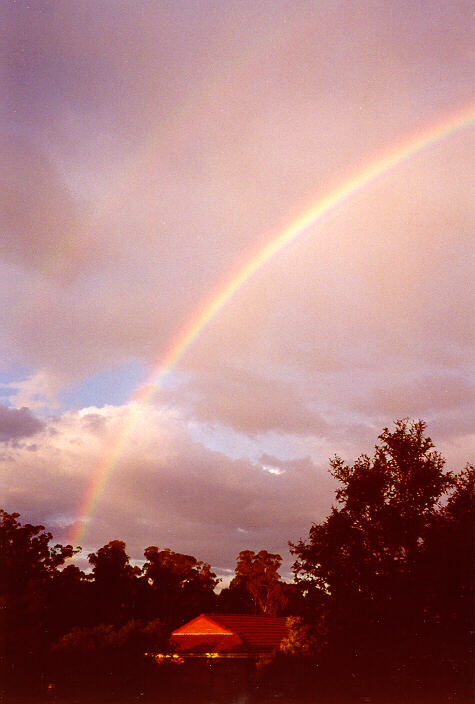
149,150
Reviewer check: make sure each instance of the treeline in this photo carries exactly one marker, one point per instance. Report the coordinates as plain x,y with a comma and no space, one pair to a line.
381,606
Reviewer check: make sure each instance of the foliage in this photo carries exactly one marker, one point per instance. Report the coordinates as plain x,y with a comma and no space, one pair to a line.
301,639
29,568
181,585
114,585
257,574
367,547
26,559
135,636
111,564
392,561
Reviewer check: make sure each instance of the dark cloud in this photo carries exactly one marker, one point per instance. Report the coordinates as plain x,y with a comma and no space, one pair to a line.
16,424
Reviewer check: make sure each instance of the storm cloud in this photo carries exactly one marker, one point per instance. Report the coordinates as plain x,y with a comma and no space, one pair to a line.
17,423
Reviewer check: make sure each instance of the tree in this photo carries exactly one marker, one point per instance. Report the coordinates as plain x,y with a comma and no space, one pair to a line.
376,558
446,565
181,585
115,583
301,639
28,569
69,601
26,558
111,564
387,505
257,574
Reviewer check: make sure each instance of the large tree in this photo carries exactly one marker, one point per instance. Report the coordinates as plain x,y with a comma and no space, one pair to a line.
257,577
115,584
381,560
26,557
181,585
387,503
29,568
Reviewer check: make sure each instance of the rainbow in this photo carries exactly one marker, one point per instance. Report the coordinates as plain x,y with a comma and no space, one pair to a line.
348,188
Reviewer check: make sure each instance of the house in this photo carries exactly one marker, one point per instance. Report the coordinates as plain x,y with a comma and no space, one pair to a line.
230,635
220,653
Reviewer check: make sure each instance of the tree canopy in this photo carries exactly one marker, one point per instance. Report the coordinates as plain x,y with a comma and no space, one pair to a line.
257,575
181,585
392,561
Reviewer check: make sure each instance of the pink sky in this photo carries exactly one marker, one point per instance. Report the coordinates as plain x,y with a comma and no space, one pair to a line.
147,149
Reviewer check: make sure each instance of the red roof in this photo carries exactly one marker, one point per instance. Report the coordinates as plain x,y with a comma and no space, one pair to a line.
231,633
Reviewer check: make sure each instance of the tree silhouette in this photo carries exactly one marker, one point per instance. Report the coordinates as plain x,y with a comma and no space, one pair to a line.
446,571
114,583
387,503
28,568
181,585
26,559
376,559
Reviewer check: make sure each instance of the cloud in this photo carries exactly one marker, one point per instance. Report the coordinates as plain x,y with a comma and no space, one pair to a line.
39,217
422,397
140,175
248,402
146,163
39,391
16,424
165,489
